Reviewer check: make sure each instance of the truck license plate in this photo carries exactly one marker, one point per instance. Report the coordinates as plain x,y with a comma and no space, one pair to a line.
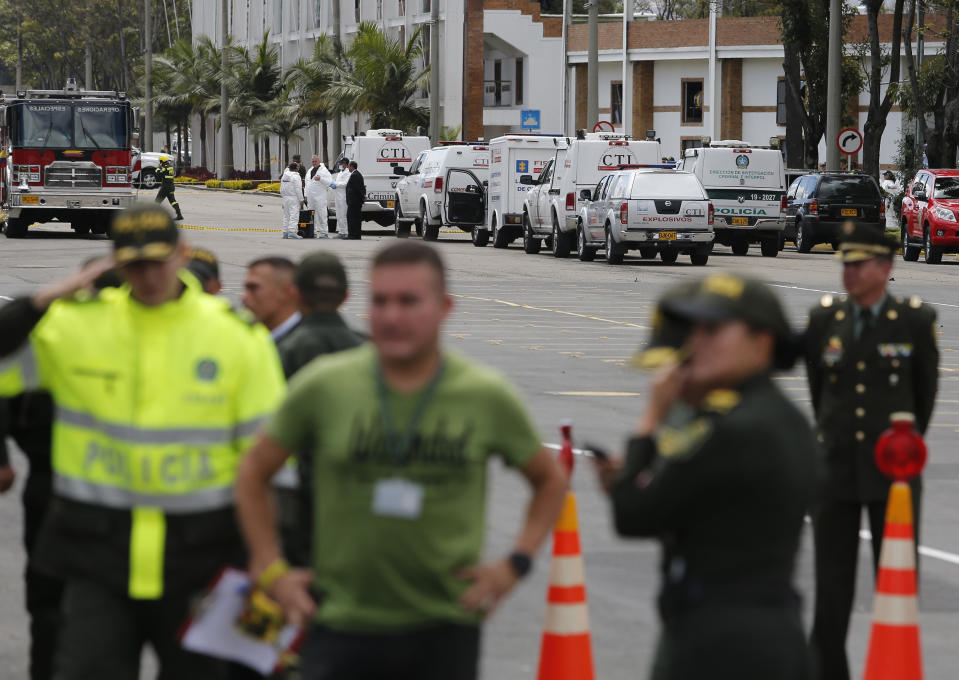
740,221
73,204
29,200
667,236
390,204
849,212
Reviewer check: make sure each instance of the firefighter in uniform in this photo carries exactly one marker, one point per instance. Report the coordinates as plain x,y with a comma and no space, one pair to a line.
868,354
157,390
721,471
166,172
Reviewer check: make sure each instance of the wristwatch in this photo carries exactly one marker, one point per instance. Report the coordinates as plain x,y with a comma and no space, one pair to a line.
521,563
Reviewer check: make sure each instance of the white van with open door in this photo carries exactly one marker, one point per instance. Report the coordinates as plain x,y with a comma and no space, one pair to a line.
445,186
511,157
747,186
551,207
377,154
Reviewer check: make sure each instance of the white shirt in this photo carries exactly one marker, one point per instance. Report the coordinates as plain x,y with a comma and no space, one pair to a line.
291,185
291,321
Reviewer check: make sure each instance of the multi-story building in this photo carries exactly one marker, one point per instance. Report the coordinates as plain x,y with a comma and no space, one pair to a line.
503,68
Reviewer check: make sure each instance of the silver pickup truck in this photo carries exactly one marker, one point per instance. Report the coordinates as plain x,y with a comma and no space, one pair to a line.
649,210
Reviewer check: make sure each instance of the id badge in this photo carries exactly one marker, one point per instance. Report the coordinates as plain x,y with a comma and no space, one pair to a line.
397,498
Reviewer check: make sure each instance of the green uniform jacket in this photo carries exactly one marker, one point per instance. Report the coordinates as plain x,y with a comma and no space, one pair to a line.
725,487
857,384
317,334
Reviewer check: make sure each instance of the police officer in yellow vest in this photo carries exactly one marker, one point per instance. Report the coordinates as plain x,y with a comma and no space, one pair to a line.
158,389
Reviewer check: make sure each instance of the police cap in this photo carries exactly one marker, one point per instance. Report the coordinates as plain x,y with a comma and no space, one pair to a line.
859,242
203,264
669,332
144,232
727,297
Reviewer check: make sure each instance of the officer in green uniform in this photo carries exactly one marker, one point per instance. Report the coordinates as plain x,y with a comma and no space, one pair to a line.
323,286
721,470
868,354
166,172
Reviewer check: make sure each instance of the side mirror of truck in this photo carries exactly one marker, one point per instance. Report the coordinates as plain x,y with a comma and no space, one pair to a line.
586,195
527,180
485,183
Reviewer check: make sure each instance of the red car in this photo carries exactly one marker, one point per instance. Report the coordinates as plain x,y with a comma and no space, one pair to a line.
930,216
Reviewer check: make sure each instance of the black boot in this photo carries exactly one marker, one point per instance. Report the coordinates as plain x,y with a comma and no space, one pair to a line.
179,215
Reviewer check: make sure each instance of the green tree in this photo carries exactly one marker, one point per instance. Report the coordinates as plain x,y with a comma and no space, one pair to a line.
382,78
283,116
313,77
255,80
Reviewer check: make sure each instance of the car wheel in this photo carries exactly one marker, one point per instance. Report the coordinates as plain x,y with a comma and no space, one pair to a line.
561,241
769,247
835,244
669,255
933,255
148,178
910,253
402,229
740,246
81,228
699,257
803,240
499,236
479,237
16,228
614,252
531,244
584,252
431,232
647,252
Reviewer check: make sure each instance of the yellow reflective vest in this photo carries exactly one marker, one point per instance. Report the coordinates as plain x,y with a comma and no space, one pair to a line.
154,407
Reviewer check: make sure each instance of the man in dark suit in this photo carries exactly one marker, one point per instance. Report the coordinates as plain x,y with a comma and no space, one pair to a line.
355,197
868,354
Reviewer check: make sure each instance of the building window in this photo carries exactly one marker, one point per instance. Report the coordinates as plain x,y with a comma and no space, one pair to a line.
379,10
295,25
403,36
692,102
317,13
426,6
356,10
616,102
402,8
689,143
278,17
518,88
781,102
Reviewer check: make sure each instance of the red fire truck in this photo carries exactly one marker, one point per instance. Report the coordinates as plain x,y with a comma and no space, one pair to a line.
67,156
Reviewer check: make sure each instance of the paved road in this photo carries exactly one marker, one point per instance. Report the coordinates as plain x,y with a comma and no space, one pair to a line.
563,331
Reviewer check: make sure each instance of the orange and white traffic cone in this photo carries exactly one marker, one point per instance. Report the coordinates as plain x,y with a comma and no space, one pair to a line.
894,651
566,652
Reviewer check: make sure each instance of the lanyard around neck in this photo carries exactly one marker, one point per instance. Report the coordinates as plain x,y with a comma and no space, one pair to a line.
399,444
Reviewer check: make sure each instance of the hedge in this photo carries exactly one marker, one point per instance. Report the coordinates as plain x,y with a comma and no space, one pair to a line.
185,180
238,184
273,187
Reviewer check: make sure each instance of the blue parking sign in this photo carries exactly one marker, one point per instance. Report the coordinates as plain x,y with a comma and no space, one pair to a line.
522,166
529,119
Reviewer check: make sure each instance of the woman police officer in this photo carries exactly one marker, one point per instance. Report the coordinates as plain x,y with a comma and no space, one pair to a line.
721,470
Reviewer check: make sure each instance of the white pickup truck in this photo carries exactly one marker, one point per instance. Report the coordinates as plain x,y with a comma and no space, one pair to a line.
145,164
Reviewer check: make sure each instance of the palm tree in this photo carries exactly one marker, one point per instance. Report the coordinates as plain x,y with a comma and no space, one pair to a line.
313,78
255,80
283,116
382,78
188,76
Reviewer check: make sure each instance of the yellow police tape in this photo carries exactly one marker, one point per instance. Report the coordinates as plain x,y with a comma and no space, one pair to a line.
197,227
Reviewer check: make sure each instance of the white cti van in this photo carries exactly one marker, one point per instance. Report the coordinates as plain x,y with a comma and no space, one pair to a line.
551,207
377,154
445,186
511,157
747,186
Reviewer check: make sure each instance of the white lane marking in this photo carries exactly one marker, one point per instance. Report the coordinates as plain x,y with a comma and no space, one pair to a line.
836,292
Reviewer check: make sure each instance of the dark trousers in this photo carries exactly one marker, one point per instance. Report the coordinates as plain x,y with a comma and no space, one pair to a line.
441,652
44,592
354,220
836,535
103,634
167,193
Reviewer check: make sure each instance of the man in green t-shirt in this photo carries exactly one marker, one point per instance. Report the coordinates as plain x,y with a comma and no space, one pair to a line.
399,461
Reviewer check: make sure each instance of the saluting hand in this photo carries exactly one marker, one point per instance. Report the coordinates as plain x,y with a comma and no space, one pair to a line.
666,387
71,284
491,583
292,592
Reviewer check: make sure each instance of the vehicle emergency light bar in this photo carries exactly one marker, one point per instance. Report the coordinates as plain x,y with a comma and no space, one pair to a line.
71,94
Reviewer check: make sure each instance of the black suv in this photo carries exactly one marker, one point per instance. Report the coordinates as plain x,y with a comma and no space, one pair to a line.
817,204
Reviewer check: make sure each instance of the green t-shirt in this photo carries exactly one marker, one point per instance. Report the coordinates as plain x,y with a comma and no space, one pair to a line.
382,573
